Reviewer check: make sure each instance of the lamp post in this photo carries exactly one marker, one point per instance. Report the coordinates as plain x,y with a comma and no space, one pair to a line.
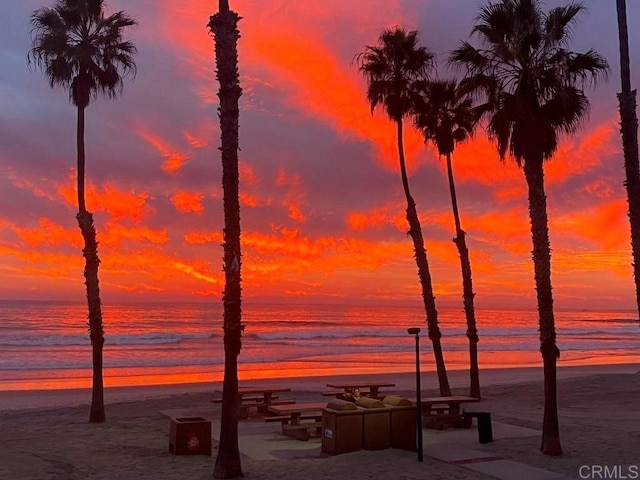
416,331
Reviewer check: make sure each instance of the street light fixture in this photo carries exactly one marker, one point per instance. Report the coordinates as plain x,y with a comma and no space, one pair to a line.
416,331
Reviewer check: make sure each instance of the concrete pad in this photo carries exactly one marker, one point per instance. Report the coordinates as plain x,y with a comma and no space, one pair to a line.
469,436
461,447
508,470
270,447
265,441
454,453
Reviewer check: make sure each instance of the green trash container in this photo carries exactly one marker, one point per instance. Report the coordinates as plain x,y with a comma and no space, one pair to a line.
376,424
341,427
403,422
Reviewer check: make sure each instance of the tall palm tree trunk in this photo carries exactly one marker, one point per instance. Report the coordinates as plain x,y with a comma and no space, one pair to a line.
467,288
90,253
629,131
224,27
534,175
423,272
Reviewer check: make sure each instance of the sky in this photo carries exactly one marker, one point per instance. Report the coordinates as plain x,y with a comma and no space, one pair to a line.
322,206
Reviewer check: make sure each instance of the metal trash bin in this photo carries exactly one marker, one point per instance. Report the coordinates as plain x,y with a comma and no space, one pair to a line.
403,420
341,427
376,424
190,436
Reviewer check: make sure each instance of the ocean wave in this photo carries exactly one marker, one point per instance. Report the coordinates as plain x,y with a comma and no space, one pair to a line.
46,340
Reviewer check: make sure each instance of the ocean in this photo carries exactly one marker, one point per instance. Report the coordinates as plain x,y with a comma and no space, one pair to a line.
45,345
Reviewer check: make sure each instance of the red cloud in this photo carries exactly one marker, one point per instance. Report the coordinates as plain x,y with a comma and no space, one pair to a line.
49,233
114,234
174,160
188,202
117,203
252,201
248,175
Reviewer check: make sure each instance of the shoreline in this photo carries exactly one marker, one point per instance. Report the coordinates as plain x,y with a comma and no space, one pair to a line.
15,400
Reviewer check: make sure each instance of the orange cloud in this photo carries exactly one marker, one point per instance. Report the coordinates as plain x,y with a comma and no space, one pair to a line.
331,91
285,178
48,264
393,214
599,188
478,161
358,221
49,233
287,250
198,272
174,160
140,288
194,141
25,183
580,155
248,175
188,202
200,238
252,201
606,225
294,210
508,230
568,263
116,203
114,234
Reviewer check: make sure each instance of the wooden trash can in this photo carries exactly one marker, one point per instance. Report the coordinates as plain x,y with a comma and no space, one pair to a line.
376,424
404,426
190,436
341,427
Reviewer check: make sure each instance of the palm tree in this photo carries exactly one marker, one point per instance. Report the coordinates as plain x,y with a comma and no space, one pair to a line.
629,130
80,48
445,115
393,70
531,82
224,26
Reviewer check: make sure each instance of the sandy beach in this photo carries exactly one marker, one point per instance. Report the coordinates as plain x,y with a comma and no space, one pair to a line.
46,434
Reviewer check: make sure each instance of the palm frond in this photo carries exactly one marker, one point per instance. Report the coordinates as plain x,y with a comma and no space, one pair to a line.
527,79
81,49
393,68
559,23
444,114
588,66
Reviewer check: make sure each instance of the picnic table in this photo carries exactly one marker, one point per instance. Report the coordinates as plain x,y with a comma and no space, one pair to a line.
291,417
371,387
259,397
442,412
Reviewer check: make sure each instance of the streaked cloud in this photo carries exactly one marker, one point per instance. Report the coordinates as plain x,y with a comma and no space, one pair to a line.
322,209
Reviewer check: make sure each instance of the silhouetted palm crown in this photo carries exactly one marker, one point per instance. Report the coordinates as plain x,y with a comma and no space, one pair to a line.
78,47
392,69
445,114
529,78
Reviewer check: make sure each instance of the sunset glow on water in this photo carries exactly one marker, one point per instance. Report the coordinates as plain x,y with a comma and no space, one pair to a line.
46,345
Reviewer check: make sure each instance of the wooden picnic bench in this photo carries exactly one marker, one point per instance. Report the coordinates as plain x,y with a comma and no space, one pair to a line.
372,387
443,412
291,417
259,397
